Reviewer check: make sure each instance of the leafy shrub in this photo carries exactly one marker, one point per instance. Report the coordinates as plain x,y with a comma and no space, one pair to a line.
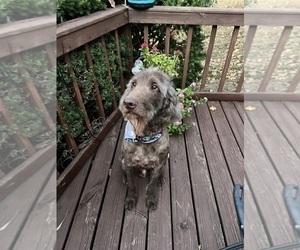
70,9
85,77
25,115
14,10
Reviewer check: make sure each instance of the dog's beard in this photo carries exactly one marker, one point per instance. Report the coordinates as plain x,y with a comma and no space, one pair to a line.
138,124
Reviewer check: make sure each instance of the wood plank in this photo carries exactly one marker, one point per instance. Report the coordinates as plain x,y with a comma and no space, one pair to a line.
160,220
77,93
221,96
285,160
187,16
85,219
183,218
294,108
266,188
295,82
146,34
208,56
12,180
233,40
73,168
220,176
75,33
240,108
187,56
111,217
89,60
272,96
255,233
134,233
206,212
167,39
67,204
80,23
230,147
17,206
34,94
40,229
240,82
286,122
69,139
248,42
19,137
275,58
272,16
24,35
235,121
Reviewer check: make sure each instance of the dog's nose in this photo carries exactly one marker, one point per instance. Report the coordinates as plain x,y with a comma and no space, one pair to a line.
130,103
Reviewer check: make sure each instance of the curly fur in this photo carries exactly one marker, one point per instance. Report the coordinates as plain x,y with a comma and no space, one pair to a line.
155,106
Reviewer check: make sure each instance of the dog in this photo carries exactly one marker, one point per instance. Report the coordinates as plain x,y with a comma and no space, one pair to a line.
148,104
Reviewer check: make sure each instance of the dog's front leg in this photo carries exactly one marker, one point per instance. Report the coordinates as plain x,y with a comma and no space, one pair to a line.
151,194
131,190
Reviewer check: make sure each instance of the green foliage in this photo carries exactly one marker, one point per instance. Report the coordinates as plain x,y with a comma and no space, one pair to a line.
18,101
186,103
154,58
14,10
70,9
85,78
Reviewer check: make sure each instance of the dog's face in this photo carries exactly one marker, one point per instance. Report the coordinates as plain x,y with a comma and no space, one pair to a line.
149,95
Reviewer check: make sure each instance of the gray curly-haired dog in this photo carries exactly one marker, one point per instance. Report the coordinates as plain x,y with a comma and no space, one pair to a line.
148,104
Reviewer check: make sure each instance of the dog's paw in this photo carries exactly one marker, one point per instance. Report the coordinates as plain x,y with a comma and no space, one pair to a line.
130,203
151,204
161,180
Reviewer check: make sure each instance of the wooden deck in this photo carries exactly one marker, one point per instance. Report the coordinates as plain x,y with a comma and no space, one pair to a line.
196,203
272,160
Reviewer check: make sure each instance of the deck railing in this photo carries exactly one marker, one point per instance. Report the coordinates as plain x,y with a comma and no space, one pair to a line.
38,35
80,32
19,37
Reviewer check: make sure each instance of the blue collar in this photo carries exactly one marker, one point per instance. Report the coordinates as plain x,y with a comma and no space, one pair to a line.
131,137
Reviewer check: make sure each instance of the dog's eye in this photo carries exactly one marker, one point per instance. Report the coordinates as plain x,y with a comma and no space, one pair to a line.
154,86
133,84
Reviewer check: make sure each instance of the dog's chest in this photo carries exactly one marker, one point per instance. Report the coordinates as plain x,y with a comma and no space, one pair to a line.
147,157
143,156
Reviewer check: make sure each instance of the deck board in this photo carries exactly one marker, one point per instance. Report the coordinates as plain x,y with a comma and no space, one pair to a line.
183,218
271,162
207,218
112,212
196,206
221,178
195,203
89,205
19,206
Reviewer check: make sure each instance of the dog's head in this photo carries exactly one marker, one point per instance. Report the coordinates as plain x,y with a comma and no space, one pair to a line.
149,96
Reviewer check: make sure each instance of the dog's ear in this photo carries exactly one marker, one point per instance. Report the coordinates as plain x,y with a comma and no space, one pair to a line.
171,111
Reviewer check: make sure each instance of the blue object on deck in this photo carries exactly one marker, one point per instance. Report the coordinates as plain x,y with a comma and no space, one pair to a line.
141,4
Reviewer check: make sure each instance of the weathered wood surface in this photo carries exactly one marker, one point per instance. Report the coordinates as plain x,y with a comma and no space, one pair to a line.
24,35
271,161
187,16
272,17
77,32
24,212
195,202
